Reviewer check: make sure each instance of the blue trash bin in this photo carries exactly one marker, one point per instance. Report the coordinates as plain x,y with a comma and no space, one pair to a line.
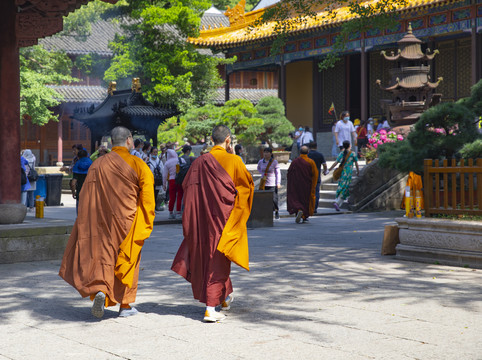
41,187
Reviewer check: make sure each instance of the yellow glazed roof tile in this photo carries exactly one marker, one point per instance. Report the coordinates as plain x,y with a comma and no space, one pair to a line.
240,32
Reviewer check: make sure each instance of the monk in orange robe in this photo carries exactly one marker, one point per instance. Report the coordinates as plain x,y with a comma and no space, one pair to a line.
116,215
301,188
218,195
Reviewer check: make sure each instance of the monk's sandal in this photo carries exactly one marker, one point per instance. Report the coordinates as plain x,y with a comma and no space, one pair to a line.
226,304
299,215
123,312
213,316
98,305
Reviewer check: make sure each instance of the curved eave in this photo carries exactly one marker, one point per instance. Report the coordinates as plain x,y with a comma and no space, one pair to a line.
214,37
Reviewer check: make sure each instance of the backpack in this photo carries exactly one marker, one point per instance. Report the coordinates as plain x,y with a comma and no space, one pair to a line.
183,169
23,176
157,175
32,174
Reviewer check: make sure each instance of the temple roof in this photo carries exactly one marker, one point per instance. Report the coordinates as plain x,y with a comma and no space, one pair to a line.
238,32
80,93
97,42
411,83
97,94
410,49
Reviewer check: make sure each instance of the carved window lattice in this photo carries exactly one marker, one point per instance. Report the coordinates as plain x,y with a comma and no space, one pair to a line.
464,75
333,90
444,67
378,70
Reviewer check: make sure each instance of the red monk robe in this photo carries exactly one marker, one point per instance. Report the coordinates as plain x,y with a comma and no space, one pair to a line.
301,188
116,215
218,194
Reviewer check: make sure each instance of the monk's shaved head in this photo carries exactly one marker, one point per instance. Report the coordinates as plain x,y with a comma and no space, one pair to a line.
220,133
304,150
119,135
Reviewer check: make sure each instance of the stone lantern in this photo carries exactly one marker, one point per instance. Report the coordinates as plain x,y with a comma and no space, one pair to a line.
412,91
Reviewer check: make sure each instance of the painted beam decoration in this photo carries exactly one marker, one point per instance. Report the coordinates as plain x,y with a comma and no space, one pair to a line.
315,37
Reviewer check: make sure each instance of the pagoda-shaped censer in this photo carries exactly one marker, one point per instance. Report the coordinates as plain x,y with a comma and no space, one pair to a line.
412,91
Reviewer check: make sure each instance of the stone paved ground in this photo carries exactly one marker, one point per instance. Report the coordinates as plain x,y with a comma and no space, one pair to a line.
315,291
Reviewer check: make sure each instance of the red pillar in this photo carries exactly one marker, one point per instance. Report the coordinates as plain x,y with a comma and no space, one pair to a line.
364,83
9,106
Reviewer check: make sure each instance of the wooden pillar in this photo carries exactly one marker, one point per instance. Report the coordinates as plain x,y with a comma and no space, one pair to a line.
227,85
364,83
317,99
9,106
347,83
282,82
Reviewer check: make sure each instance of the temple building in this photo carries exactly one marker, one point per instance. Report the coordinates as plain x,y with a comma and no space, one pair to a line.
52,143
452,27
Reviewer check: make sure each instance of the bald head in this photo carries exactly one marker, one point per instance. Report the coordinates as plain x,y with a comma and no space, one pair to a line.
220,133
120,135
304,150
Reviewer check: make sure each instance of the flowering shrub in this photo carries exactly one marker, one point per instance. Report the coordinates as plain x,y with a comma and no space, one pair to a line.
381,137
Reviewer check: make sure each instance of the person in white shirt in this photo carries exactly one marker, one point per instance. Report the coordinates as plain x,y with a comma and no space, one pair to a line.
344,130
306,137
298,135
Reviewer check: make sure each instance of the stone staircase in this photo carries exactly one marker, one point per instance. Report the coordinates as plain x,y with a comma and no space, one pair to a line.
328,188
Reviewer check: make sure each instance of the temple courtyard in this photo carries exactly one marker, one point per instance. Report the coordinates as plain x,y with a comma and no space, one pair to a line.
319,290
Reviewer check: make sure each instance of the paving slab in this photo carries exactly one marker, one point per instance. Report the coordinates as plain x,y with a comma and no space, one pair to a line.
319,290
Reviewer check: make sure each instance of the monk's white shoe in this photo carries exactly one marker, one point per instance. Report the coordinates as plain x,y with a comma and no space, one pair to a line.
226,304
98,305
213,316
299,215
128,312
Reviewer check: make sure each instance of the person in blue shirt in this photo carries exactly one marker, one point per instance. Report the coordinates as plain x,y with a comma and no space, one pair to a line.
79,173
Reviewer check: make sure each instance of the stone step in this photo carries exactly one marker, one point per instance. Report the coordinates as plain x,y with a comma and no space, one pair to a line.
327,194
329,186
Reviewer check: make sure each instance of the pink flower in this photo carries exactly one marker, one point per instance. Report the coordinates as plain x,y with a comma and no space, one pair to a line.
375,146
379,142
383,132
399,137
383,137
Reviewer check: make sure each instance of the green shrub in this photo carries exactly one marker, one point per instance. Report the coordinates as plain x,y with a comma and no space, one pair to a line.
472,150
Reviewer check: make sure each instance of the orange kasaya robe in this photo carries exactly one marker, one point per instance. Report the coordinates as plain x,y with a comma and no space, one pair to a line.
415,183
218,195
116,214
301,188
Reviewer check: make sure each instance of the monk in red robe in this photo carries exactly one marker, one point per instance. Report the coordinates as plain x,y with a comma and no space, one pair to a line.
218,194
116,215
301,187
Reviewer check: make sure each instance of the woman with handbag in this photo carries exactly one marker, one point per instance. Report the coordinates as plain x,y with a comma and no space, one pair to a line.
271,180
344,173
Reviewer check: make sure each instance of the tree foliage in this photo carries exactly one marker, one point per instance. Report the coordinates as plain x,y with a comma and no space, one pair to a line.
288,15
439,133
222,4
38,68
172,130
239,115
276,126
154,48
